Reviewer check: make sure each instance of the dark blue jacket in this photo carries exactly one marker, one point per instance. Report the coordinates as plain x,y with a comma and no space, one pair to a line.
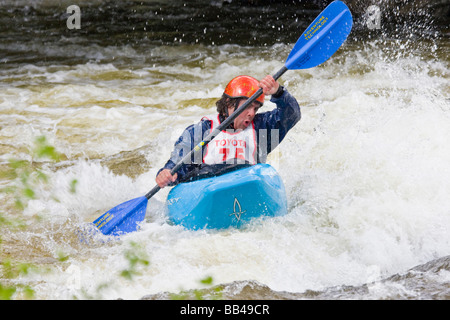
271,127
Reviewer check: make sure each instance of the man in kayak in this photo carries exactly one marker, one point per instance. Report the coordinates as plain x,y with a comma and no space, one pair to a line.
248,140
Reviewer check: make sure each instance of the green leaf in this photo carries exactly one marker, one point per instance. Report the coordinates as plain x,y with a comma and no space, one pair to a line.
6,293
207,280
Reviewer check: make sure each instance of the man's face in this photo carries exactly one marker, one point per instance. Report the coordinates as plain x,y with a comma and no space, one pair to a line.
246,117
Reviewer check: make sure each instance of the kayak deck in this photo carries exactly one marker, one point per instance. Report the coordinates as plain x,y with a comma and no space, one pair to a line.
228,200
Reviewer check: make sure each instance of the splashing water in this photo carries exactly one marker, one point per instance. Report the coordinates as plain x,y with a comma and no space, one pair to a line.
366,169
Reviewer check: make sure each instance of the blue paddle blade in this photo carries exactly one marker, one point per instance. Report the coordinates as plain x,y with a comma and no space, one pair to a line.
123,218
322,38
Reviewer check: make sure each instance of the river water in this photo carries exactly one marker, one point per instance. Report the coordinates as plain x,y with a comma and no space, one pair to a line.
366,169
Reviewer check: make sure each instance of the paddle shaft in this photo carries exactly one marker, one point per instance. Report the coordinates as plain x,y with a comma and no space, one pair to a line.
215,132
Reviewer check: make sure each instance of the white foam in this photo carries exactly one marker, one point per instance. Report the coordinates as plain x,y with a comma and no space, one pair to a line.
366,171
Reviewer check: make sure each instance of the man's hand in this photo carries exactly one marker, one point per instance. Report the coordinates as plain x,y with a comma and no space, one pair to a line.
164,178
269,85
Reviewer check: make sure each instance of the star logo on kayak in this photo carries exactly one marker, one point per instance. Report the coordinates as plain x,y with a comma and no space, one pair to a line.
237,210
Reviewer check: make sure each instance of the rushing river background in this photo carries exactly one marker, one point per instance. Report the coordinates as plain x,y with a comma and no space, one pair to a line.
366,169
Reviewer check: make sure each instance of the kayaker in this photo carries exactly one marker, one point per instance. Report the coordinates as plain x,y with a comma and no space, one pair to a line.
248,140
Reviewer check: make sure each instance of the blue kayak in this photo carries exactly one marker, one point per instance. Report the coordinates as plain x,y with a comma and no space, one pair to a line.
229,200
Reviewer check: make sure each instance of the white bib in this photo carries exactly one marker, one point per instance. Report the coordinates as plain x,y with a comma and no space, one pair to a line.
231,146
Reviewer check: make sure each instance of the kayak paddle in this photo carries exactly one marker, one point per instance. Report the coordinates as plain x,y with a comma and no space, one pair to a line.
316,45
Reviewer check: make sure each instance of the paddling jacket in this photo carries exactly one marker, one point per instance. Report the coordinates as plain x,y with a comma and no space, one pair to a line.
268,129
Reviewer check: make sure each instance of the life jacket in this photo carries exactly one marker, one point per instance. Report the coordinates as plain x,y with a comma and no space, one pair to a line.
231,146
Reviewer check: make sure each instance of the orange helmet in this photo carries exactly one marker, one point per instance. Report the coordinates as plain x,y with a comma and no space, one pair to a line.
243,87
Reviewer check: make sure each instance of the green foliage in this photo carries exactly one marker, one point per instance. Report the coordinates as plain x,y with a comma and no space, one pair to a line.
136,257
43,150
73,185
11,270
62,256
209,293
23,177
6,292
26,176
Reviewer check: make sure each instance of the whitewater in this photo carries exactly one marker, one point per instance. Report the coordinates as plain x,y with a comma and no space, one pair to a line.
366,170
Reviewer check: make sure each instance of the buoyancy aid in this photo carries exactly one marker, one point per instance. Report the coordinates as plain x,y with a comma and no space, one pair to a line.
231,146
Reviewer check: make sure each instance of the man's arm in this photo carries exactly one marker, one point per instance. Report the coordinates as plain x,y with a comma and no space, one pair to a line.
276,123
191,136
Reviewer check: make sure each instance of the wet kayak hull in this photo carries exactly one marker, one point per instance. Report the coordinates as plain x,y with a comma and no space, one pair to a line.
229,200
